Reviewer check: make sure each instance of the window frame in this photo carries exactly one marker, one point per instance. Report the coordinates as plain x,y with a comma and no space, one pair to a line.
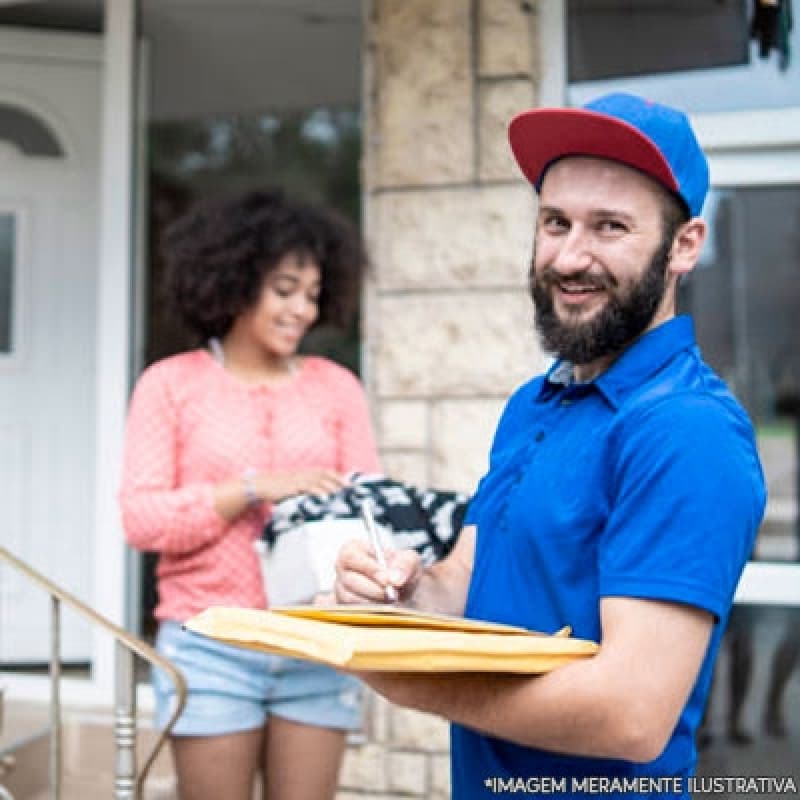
739,162
759,147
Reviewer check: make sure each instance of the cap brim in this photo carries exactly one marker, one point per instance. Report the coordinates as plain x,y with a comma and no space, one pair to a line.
541,136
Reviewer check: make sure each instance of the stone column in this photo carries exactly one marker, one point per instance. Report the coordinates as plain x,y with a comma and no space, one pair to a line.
448,323
449,223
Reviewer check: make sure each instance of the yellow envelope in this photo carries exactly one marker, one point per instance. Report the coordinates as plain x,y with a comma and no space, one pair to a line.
390,639
392,616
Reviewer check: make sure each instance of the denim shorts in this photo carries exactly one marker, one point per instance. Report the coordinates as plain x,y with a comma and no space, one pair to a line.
232,689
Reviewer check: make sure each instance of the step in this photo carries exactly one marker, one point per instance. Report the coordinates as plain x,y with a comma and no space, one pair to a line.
88,754
22,721
101,787
28,774
24,748
88,748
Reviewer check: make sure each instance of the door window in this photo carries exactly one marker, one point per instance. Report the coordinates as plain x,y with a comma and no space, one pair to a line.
7,277
31,135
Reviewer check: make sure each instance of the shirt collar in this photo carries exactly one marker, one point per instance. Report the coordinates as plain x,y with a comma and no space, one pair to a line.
638,363
562,373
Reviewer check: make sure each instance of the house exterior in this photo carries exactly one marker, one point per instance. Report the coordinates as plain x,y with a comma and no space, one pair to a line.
447,331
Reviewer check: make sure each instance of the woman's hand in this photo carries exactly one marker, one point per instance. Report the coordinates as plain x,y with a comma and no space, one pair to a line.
272,487
233,497
361,579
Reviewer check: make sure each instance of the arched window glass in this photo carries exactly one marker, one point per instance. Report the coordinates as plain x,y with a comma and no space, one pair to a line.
28,133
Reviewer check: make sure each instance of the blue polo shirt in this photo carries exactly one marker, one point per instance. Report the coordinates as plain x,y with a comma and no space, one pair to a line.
643,483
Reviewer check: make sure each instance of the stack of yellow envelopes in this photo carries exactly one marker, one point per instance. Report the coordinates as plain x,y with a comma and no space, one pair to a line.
391,639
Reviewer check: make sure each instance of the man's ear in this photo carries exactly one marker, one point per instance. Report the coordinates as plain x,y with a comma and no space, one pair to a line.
687,245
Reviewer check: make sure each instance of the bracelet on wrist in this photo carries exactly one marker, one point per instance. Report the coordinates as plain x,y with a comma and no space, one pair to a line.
249,486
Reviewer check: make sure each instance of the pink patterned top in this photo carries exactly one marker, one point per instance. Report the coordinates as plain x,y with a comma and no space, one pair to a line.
191,425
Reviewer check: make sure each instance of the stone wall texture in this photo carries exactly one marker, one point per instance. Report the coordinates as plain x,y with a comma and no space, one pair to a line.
448,322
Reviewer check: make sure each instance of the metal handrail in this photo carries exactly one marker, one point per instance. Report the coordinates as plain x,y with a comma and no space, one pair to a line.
127,785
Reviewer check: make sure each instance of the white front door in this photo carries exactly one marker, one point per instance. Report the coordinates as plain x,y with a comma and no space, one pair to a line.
49,146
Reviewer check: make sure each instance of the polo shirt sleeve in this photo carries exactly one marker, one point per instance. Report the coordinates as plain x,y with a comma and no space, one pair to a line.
687,499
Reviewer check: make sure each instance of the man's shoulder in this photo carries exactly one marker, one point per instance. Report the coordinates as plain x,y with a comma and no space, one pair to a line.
686,385
690,408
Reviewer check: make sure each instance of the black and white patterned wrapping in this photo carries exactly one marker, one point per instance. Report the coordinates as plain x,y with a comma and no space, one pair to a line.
427,520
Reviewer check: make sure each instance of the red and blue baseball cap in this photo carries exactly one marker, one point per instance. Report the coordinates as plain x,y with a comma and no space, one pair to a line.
655,139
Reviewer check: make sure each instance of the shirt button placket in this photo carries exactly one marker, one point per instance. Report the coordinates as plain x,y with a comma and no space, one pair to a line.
519,474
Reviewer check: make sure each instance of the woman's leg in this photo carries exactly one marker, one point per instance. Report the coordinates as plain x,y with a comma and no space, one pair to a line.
217,742
217,767
301,762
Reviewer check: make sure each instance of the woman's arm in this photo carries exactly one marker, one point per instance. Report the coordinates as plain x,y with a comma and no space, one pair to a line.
357,450
161,516
157,514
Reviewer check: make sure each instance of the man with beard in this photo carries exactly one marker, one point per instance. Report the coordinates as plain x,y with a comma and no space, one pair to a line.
624,489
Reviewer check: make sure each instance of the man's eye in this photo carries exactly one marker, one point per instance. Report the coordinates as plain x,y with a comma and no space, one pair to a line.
612,226
554,223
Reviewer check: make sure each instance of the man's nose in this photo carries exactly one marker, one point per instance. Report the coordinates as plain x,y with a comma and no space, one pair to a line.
573,254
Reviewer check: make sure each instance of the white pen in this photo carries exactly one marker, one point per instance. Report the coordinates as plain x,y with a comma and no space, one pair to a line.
375,541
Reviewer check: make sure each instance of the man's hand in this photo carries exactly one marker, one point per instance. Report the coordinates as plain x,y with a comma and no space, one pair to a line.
361,579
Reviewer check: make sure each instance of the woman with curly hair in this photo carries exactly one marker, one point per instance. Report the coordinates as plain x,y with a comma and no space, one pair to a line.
217,435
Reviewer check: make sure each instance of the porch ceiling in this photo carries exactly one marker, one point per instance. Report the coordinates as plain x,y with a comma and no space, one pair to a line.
212,56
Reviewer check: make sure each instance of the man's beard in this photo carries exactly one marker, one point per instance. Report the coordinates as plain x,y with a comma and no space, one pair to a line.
625,316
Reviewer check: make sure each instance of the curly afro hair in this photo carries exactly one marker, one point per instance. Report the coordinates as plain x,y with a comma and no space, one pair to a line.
218,254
